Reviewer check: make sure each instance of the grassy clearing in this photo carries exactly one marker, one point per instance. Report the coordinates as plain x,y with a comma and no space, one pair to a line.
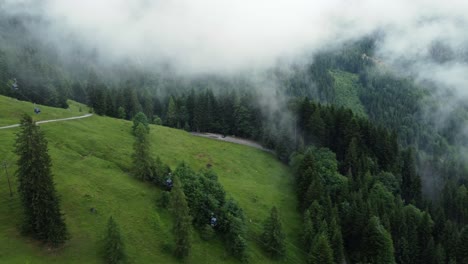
91,158
12,110
347,91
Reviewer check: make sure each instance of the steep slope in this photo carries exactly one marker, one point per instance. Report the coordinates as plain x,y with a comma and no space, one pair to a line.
91,158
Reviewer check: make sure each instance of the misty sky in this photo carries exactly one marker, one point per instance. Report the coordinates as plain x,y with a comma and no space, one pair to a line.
207,36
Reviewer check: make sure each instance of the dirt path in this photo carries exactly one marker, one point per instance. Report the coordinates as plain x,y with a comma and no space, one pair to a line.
50,121
241,141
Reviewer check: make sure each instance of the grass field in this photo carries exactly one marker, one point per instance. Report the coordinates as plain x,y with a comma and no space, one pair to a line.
12,109
347,91
91,158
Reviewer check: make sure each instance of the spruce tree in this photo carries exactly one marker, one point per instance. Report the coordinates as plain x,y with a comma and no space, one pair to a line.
321,252
378,243
114,251
171,117
308,233
142,167
42,217
273,237
336,238
463,246
140,118
181,220
411,182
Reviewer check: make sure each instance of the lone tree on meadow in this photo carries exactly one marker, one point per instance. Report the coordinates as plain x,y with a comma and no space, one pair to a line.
142,162
42,217
114,251
181,220
273,237
140,118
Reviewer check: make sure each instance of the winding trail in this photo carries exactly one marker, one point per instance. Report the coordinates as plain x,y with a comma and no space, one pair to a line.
50,121
235,140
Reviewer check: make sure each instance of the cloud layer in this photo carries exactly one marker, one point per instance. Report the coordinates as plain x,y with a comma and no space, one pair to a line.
217,36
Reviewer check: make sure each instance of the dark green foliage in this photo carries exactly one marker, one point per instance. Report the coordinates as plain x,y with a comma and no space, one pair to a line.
233,227
462,256
411,182
140,118
354,139
273,237
379,245
160,173
389,181
4,73
206,199
157,120
121,112
207,233
181,220
336,239
114,250
321,252
42,217
172,116
204,193
308,233
164,199
142,162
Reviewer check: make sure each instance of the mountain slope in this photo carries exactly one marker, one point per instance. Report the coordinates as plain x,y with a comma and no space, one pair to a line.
91,158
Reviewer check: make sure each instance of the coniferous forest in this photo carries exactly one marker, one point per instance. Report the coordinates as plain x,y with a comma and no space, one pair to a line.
377,154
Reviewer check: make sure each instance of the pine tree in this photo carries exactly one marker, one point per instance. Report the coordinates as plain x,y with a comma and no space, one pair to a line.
114,251
4,74
131,102
140,118
463,246
411,182
171,117
424,238
273,237
121,112
336,239
315,192
321,252
42,217
378,242
181,220
142,167
316,126
309,232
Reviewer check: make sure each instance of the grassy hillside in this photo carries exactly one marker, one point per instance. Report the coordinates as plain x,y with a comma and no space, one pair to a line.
91,158
347,91
12,109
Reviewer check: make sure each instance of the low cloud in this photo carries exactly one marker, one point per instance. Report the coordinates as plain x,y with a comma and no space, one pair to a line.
224,36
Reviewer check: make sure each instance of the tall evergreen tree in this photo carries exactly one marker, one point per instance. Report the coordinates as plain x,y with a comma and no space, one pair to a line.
114,251
316,127
273,237
142,162
336,239
309,232
42,217
140,118
171,116
321,251
378,242
181,220
463,246
411,182
4,74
